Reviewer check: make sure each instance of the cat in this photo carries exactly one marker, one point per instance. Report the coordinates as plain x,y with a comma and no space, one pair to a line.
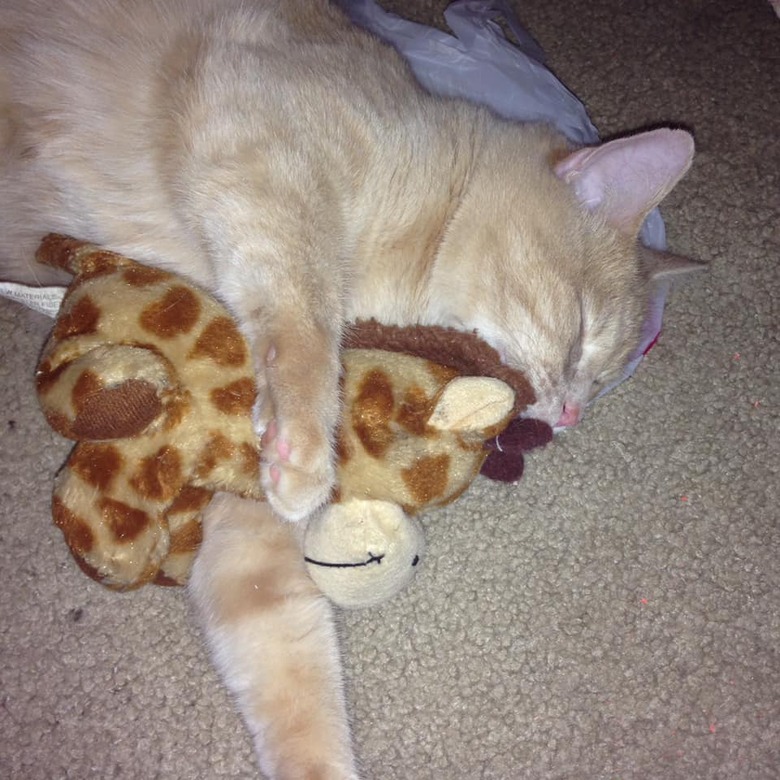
289,162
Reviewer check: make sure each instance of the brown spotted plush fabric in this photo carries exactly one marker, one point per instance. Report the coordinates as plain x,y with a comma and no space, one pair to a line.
407,435
468,355
153,379
465,353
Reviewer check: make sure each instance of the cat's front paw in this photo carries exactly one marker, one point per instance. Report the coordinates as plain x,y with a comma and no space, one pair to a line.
297,471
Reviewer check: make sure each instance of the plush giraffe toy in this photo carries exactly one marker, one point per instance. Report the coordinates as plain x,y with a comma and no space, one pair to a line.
150,375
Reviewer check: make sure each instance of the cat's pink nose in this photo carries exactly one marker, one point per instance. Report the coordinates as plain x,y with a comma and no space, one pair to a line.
569,416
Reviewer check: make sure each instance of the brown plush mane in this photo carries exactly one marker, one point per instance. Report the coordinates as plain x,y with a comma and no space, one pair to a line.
466,353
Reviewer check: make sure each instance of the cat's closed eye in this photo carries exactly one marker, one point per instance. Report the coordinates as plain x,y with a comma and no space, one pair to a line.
574,358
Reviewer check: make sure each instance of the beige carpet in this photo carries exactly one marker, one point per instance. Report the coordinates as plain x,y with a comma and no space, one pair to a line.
615,615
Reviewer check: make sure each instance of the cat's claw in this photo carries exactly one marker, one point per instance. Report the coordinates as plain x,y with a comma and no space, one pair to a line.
296,482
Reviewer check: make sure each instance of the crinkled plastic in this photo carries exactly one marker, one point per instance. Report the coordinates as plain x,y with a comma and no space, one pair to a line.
480,64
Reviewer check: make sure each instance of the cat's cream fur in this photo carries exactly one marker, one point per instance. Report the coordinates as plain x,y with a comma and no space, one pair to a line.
291,164
273,641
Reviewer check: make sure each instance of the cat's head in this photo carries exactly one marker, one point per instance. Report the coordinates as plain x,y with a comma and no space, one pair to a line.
542,257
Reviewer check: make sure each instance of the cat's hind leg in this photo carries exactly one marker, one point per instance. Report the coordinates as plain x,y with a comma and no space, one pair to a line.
273,640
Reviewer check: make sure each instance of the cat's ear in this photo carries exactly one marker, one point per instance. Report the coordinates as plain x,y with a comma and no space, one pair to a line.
627,178
667,265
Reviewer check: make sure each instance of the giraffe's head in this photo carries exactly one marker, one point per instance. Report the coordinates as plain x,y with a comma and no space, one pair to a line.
413,437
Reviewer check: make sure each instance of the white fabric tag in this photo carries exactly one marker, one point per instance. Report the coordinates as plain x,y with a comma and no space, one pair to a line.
46,300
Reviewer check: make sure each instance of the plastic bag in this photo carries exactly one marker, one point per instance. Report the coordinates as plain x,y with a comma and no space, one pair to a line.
479,64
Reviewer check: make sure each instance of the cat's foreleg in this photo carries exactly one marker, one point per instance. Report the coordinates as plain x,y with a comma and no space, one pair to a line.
272,639
299,359
278,271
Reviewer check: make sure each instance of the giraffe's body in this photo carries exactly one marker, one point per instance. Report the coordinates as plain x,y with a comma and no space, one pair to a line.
152,377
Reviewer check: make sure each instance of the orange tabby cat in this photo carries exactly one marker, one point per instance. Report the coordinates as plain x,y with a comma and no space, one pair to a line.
289,162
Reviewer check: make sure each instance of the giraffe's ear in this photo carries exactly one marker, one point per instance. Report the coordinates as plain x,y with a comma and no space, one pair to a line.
472,403
114,391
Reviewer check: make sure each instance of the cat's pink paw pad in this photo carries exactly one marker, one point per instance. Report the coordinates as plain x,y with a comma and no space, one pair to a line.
297,480
272,442
283,449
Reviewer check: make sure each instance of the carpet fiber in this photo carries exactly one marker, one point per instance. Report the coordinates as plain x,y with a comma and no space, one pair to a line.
615,615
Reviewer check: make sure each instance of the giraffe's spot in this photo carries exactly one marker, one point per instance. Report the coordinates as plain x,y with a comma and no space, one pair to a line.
217,450
427,479
76,531
92,572
221,342
81,258
236,398
372,411
414,412
117,412
59,422
144,275
165,581
159,476
175,314
148,574
442,374
125,522
186,539
80,319
96,464
178,404
190,500
186,535
250,461
47,377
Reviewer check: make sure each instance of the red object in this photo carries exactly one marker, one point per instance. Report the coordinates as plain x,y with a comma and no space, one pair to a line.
505,462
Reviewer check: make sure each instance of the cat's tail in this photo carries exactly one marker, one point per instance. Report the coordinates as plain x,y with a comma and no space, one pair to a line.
273,640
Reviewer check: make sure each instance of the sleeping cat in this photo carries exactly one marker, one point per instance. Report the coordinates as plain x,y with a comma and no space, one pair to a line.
290,163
